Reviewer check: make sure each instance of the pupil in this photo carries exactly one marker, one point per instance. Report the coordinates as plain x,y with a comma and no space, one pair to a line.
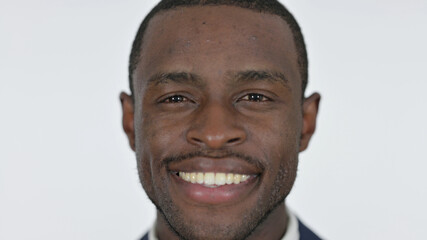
176,99
255,97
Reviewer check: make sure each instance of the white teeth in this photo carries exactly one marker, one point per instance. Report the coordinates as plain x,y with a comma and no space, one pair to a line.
200,178
187,177
220,179
230,178
193,177
211,179
244,178
237,178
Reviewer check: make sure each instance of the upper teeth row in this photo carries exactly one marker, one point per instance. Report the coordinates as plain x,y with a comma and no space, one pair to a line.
211,178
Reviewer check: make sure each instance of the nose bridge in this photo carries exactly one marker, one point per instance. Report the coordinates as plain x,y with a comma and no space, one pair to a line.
215,127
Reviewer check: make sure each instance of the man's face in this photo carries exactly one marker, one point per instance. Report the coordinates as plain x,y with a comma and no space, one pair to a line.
217,91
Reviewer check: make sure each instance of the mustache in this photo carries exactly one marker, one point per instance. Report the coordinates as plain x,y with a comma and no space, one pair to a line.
212,154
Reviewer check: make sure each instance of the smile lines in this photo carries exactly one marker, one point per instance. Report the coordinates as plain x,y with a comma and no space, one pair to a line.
211,179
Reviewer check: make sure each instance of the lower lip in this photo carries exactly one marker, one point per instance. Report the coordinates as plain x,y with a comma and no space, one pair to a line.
214,195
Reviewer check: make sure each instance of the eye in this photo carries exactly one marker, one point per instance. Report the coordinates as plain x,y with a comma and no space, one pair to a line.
175,99
255,97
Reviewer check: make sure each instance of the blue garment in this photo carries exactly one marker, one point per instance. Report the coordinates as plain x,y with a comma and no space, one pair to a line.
304,233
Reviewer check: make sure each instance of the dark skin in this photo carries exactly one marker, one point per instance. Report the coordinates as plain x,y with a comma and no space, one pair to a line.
216,80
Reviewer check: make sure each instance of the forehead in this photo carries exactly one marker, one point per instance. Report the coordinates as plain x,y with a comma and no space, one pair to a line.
213,40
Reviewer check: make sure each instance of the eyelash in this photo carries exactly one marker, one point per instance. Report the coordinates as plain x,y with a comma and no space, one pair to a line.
250,97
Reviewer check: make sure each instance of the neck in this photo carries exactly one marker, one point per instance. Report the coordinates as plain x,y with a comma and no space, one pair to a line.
273,227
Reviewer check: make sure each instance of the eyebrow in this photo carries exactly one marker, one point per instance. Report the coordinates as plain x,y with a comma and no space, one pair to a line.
176,77
259,75
240,77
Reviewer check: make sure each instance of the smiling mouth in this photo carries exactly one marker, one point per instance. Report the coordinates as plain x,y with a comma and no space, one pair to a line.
208,181
211,179
213,188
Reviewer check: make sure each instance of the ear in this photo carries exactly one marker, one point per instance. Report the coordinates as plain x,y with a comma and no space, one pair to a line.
310,109
127,121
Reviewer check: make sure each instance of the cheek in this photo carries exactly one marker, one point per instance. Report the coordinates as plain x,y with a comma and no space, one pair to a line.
157,139
148,145
278,137
162,138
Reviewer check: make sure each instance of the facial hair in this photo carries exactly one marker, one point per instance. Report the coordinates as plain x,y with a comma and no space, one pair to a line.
250,220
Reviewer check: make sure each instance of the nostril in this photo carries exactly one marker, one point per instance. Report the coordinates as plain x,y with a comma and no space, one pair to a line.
197,140
233,140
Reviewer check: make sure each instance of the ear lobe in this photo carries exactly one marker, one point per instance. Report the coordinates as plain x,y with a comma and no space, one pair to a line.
310,110
127,119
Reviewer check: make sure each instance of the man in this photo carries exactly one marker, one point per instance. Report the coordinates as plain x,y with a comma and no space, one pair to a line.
217,118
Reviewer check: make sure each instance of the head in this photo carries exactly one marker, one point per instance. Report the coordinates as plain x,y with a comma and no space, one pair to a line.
218,91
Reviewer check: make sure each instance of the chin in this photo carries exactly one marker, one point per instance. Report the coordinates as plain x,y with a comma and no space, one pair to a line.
208,225
227,222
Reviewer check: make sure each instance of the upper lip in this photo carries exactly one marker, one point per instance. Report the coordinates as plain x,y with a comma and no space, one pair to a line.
213,164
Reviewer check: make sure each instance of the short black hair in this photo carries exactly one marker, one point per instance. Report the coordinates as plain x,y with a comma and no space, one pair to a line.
263,6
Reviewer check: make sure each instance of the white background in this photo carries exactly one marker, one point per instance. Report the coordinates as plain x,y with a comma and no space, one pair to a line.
66,171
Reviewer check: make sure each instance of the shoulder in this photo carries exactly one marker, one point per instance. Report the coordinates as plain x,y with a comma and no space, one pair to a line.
305,233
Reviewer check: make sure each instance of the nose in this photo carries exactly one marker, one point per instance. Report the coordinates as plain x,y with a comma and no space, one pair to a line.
215,127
